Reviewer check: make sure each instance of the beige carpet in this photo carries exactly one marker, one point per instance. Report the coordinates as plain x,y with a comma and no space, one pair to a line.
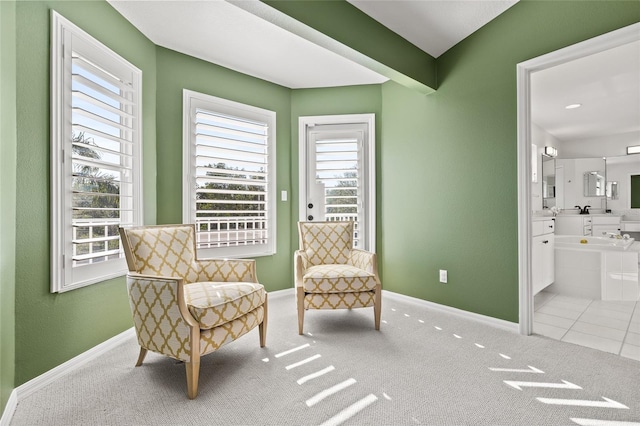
422,367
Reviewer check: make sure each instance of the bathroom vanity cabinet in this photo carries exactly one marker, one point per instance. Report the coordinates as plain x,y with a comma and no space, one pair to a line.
631,226
573,225
594,225
603,225
542,254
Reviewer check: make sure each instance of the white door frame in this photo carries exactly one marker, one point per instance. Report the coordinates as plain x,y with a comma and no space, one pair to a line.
369,161
598,44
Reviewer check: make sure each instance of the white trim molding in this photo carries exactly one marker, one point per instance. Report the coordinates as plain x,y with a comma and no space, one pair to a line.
76,54
9,409
39,382
484,319
592,46
192,102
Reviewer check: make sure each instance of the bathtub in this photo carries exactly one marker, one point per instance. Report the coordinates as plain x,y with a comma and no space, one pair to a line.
578,242
601,268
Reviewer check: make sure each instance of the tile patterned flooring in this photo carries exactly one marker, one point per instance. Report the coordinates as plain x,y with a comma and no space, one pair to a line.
607,326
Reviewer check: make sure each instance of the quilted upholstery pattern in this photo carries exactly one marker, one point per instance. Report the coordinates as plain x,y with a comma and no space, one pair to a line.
326,242
164,252
157,319
362,259
337,279
228,270
331,274
183,307
214,338
216,303
339,300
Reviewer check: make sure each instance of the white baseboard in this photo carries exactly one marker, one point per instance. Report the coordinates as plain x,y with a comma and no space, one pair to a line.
494,322
44,379
281,293
9,409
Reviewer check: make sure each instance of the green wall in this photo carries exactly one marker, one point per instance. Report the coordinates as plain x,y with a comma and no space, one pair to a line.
7,198
446,162
177,72
449,160
52,328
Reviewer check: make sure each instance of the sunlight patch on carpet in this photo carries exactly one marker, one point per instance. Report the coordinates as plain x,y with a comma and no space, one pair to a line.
315,375
351,411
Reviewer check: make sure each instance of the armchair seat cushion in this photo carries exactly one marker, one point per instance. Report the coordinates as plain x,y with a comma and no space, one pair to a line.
217,303
337,279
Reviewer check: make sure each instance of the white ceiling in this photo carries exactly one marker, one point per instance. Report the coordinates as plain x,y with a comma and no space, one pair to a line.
607,85
228,34
434,26
224,34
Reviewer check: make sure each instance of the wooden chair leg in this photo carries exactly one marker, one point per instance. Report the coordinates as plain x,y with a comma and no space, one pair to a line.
143,353
193,373
262,328
300,303
193,365
377,306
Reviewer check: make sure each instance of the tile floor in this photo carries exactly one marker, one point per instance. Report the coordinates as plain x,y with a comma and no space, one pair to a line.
608,326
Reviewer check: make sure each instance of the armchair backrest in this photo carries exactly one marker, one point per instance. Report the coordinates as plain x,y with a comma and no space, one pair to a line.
161,250
326,243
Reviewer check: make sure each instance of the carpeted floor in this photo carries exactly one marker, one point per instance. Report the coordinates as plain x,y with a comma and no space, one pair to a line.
422,367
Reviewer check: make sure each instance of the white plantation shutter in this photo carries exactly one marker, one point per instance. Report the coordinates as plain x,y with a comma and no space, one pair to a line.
229,154
337,165
96,157
337,168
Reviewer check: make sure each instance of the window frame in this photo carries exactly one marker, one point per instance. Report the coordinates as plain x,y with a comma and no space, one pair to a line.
66,36
193,100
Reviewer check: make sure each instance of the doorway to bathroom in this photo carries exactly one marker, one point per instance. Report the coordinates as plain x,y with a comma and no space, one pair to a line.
549,304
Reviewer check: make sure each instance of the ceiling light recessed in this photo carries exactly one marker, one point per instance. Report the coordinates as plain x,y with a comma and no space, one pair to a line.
573,106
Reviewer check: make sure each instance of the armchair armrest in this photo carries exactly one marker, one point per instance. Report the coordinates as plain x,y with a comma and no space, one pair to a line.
227,270
364,260
162,319
299,265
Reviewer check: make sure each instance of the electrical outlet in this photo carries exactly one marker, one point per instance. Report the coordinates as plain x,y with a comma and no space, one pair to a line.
443,275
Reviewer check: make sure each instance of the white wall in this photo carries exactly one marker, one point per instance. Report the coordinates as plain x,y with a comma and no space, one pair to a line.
619,170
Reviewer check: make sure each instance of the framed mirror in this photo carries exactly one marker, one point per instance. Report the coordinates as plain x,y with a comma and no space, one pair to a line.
594,184
612,190
548,182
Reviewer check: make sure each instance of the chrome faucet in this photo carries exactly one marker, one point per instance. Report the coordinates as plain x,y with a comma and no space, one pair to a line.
612,234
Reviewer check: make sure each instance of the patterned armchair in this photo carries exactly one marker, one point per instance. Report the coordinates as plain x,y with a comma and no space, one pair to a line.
331,274
183,307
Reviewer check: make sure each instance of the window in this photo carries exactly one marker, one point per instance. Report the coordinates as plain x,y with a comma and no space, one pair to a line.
229,163
95,156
